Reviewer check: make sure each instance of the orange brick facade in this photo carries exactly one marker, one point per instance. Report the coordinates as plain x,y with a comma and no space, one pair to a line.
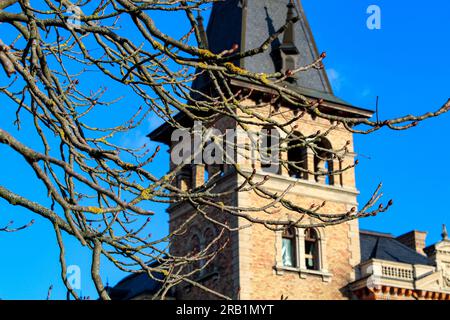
250,265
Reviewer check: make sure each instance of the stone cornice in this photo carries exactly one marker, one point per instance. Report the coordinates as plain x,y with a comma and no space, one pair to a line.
280,183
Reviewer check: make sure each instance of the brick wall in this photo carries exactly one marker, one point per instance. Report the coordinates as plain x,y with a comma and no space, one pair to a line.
247,267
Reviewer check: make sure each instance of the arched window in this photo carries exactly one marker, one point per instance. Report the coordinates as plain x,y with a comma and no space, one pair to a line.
214,170
312,253
288,248
269,150
214,159
210,237
297,158
323,162
196,248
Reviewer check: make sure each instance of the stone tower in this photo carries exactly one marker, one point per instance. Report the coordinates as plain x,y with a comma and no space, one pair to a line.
257,263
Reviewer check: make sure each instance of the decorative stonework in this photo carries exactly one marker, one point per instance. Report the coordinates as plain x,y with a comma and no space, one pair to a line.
380,279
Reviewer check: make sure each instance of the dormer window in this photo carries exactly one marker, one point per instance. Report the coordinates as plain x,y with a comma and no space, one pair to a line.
289,52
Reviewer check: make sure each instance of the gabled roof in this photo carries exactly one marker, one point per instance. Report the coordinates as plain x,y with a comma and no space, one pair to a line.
385,247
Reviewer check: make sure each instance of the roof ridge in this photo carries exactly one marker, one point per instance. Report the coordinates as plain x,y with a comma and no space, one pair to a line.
377,233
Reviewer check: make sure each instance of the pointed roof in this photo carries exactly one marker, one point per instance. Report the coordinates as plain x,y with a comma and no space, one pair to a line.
444,233
249,23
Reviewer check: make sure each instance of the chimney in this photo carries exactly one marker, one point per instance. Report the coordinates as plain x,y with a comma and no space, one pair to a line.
414,239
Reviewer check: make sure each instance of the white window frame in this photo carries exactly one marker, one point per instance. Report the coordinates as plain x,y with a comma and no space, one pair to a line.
300,255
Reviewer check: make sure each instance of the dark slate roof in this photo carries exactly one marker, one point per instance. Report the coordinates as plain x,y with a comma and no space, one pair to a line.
135,285
384,246
249,23
311,93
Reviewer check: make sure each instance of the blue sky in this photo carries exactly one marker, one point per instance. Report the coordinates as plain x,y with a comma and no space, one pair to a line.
406,63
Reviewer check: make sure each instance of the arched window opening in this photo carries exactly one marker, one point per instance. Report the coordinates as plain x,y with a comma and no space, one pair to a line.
213,156
312,249
297,158
327,169
269,150
215,161
214,171
196,248
288,248
323,163
210,237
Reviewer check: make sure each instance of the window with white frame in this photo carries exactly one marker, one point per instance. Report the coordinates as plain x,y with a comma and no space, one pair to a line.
288,248
302,249
312,260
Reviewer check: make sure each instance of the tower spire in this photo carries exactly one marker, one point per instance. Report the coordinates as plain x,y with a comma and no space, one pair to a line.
444,233
288,45
248,23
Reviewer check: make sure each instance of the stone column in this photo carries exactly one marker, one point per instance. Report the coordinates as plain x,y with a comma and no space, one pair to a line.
337,179
301,249
283,160
310,165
